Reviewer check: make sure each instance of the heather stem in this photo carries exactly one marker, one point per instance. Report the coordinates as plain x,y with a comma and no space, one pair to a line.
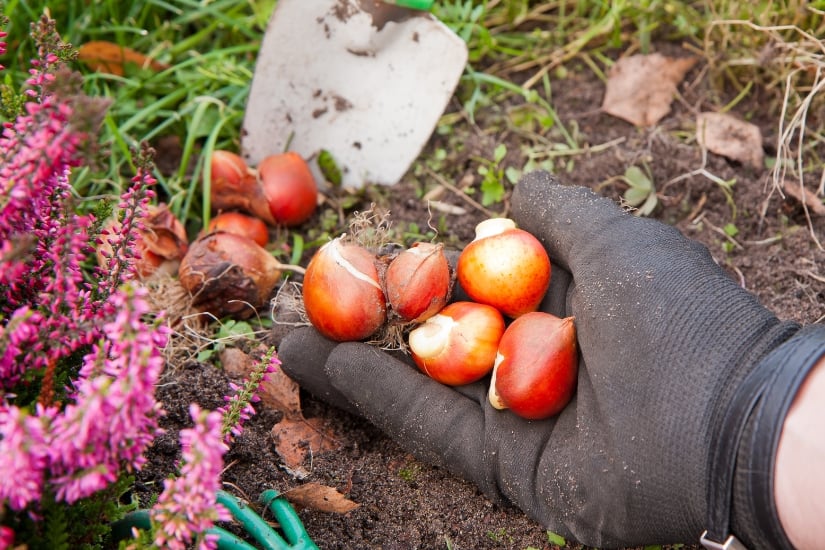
238,407
46,397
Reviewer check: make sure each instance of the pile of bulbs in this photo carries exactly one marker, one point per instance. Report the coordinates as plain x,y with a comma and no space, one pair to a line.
227,269
349,293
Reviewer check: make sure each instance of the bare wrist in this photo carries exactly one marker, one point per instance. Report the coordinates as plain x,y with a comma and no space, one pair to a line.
799,479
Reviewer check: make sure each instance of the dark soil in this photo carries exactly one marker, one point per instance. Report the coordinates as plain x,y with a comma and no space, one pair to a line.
406,504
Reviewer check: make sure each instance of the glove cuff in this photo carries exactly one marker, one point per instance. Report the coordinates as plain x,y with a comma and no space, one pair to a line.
742,459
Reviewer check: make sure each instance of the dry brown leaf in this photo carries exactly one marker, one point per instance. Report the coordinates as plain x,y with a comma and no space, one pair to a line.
281,393
278,392
726,135
803,196
295,438
320,497
640,88
108,57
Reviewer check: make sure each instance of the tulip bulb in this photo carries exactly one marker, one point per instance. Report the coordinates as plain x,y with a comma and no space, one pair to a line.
342,293
289,187
235,186
240,224
536,366
458,344
418,282
228,275
505,267
160,245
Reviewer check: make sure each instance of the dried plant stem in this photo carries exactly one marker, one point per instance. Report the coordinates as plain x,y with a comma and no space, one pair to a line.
46,397
466,198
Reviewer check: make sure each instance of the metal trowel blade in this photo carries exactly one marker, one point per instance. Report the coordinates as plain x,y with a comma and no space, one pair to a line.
364,80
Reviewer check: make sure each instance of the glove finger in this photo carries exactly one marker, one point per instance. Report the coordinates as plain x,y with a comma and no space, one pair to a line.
303,354
435,422
566,219
557,298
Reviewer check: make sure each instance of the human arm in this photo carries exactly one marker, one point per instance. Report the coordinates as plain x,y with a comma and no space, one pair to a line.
800,465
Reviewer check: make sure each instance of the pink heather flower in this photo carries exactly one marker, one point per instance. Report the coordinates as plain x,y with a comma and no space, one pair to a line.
103,423
187,507
111,417
6,537
3,34
238,408
115,415
23,457
35,152
10,269
121,265
16,338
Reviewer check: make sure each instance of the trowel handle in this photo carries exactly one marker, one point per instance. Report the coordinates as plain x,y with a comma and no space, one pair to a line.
424,5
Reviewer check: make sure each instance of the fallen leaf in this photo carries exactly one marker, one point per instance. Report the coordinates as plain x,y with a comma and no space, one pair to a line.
108,57
320,497
726,135
295,438
640,88
803,196
281,393
278,392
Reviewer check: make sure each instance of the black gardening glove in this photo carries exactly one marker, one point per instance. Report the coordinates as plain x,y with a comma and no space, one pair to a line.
683,383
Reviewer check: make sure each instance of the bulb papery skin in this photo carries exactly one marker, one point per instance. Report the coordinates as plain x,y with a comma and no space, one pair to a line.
505,267
235,186
492,393
228,275
492,227
432,338
342,294
418,282
458,345
536,370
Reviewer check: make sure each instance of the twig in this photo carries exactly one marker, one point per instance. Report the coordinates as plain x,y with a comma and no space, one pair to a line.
741,276
552,153
468,199
717,229
811,274
762,242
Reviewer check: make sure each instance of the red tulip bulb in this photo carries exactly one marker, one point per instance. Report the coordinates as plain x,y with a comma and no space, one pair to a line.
289,187
536,366
418,281
458,344
342,293
504,267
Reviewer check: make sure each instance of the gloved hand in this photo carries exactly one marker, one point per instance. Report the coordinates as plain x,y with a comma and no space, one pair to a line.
684,379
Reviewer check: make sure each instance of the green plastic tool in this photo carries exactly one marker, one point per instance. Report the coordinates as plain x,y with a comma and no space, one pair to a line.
293,536
423,5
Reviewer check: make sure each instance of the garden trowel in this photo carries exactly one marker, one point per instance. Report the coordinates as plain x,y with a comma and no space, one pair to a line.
359,82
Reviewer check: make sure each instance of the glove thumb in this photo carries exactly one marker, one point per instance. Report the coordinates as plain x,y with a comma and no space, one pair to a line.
303,354
434,422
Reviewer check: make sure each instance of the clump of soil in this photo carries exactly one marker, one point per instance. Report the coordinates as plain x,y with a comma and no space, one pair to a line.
406,504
